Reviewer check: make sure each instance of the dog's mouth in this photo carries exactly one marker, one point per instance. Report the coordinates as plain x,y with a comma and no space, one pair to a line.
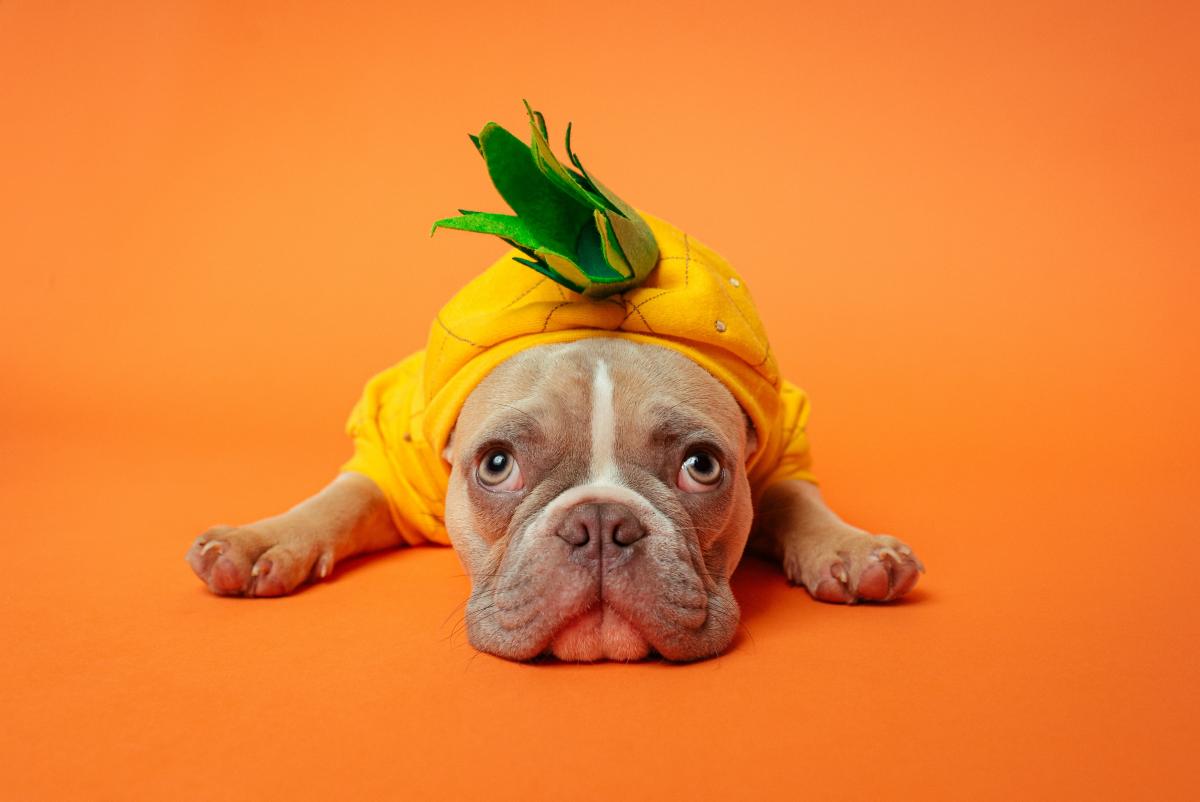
599,633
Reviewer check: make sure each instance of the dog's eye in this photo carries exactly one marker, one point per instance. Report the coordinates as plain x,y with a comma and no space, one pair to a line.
699,473
498,470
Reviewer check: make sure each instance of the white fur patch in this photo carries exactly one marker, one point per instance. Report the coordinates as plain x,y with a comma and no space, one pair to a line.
604,482
604,427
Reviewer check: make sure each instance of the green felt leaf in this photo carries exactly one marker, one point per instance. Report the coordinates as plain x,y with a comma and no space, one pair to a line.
611,247
551,214
582,177
537,118
502,225
636,238
553,169
570,226
594,256
550,273
637,243
571,153
565,266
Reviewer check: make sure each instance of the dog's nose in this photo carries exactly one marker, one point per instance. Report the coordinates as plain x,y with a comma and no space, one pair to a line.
605,523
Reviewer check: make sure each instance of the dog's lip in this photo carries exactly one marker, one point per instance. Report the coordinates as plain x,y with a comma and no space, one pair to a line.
599,632
599,604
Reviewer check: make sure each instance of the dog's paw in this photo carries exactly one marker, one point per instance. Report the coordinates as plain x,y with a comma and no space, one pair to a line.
254,561
853,565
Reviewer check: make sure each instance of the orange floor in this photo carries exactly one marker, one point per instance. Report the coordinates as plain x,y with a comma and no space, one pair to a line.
972,236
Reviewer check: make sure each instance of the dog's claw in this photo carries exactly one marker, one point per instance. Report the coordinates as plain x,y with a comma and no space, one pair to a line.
887,551
859,566
254,561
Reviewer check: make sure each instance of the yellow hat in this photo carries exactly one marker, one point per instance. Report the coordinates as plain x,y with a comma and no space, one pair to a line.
692,302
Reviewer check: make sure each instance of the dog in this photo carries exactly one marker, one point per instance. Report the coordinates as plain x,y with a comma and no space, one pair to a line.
599,501
600,443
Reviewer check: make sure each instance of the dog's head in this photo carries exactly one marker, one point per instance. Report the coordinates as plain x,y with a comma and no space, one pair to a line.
599,502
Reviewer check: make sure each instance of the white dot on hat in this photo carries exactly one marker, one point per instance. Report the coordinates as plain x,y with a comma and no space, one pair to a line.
721,326
733,280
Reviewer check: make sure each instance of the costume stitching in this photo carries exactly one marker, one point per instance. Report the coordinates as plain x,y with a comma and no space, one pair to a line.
643,317
458,337
638,307
437,360
536,284
546,322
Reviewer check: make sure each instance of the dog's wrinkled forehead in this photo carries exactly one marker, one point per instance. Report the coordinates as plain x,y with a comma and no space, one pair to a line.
599,412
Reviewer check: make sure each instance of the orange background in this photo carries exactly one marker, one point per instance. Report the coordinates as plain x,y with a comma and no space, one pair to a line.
972,234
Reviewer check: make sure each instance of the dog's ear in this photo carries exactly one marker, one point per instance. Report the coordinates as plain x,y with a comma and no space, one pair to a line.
751,438
448,451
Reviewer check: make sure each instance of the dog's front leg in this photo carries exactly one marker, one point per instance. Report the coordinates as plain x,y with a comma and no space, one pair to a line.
275,555
835,561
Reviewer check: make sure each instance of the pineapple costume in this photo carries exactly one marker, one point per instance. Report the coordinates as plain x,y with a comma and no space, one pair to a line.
600,270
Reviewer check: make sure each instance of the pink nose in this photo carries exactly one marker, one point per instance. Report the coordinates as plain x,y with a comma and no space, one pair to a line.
602,523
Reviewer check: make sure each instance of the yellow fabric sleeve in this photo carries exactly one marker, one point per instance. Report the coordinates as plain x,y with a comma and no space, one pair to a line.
794,459
390,449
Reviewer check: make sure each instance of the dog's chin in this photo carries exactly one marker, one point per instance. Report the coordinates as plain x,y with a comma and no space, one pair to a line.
599,634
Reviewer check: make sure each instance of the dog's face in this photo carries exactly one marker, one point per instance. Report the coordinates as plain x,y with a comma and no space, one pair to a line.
599,502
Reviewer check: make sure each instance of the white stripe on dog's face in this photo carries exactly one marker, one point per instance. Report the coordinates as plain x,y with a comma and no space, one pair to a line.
604,482
604,427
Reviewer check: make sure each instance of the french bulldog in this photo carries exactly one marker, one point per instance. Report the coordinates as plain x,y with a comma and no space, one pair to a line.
599,501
